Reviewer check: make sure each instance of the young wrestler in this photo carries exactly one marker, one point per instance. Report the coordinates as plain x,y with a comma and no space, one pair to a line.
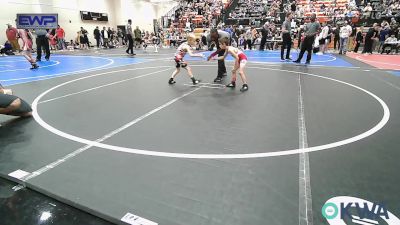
240,62
26,37
184,48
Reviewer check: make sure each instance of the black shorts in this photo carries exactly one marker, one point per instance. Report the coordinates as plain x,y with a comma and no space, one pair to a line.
180,63
322,41
6,100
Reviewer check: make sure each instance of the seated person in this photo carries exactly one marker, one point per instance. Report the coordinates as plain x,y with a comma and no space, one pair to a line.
12,105
389,43
6,49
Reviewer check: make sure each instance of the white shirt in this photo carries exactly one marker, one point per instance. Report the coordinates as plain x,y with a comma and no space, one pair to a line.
128,29
325,31
345,31
390,40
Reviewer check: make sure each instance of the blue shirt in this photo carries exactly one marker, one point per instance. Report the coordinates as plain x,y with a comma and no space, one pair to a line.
383,34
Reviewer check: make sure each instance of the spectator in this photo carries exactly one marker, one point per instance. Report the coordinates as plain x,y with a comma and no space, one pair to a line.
345,32
121,37
393,22
97,36
60,35
367,10
104,36
336,37
84,40
12,37
383,34
389,43
138,37
53,40
6,49
359,39
248,39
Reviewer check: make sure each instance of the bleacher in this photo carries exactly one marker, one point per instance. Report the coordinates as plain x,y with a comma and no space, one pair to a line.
322,15
243,9
191,13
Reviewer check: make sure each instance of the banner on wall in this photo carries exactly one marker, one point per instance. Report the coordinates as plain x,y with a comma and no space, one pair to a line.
34,21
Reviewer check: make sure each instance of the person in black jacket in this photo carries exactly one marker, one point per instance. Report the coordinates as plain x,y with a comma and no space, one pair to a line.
336,38
97,36
264,35
359,39
369,39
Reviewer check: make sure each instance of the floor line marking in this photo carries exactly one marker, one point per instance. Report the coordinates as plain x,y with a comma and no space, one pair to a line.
65,73
378,62
385,118
204,86
305,198
386,82
27,68
101,86
105,137
74,72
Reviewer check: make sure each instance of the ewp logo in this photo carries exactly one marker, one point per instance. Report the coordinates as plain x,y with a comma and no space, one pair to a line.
31,21
336,209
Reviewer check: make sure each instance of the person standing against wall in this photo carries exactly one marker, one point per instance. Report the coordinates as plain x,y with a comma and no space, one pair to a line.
97,36
42,41
138,37
12,37
60,34
311,30
129,37
104,36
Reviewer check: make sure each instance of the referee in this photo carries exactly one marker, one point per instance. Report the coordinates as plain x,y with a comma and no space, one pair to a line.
311,30
213,39
42,41
129,37
286,39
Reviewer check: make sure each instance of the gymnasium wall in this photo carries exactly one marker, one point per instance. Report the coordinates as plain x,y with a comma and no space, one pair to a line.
142,12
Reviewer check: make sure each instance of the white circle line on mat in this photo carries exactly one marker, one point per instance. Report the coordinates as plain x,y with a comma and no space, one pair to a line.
376,128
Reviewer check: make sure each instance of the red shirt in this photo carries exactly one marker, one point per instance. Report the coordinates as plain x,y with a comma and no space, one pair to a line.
11,33
60,33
